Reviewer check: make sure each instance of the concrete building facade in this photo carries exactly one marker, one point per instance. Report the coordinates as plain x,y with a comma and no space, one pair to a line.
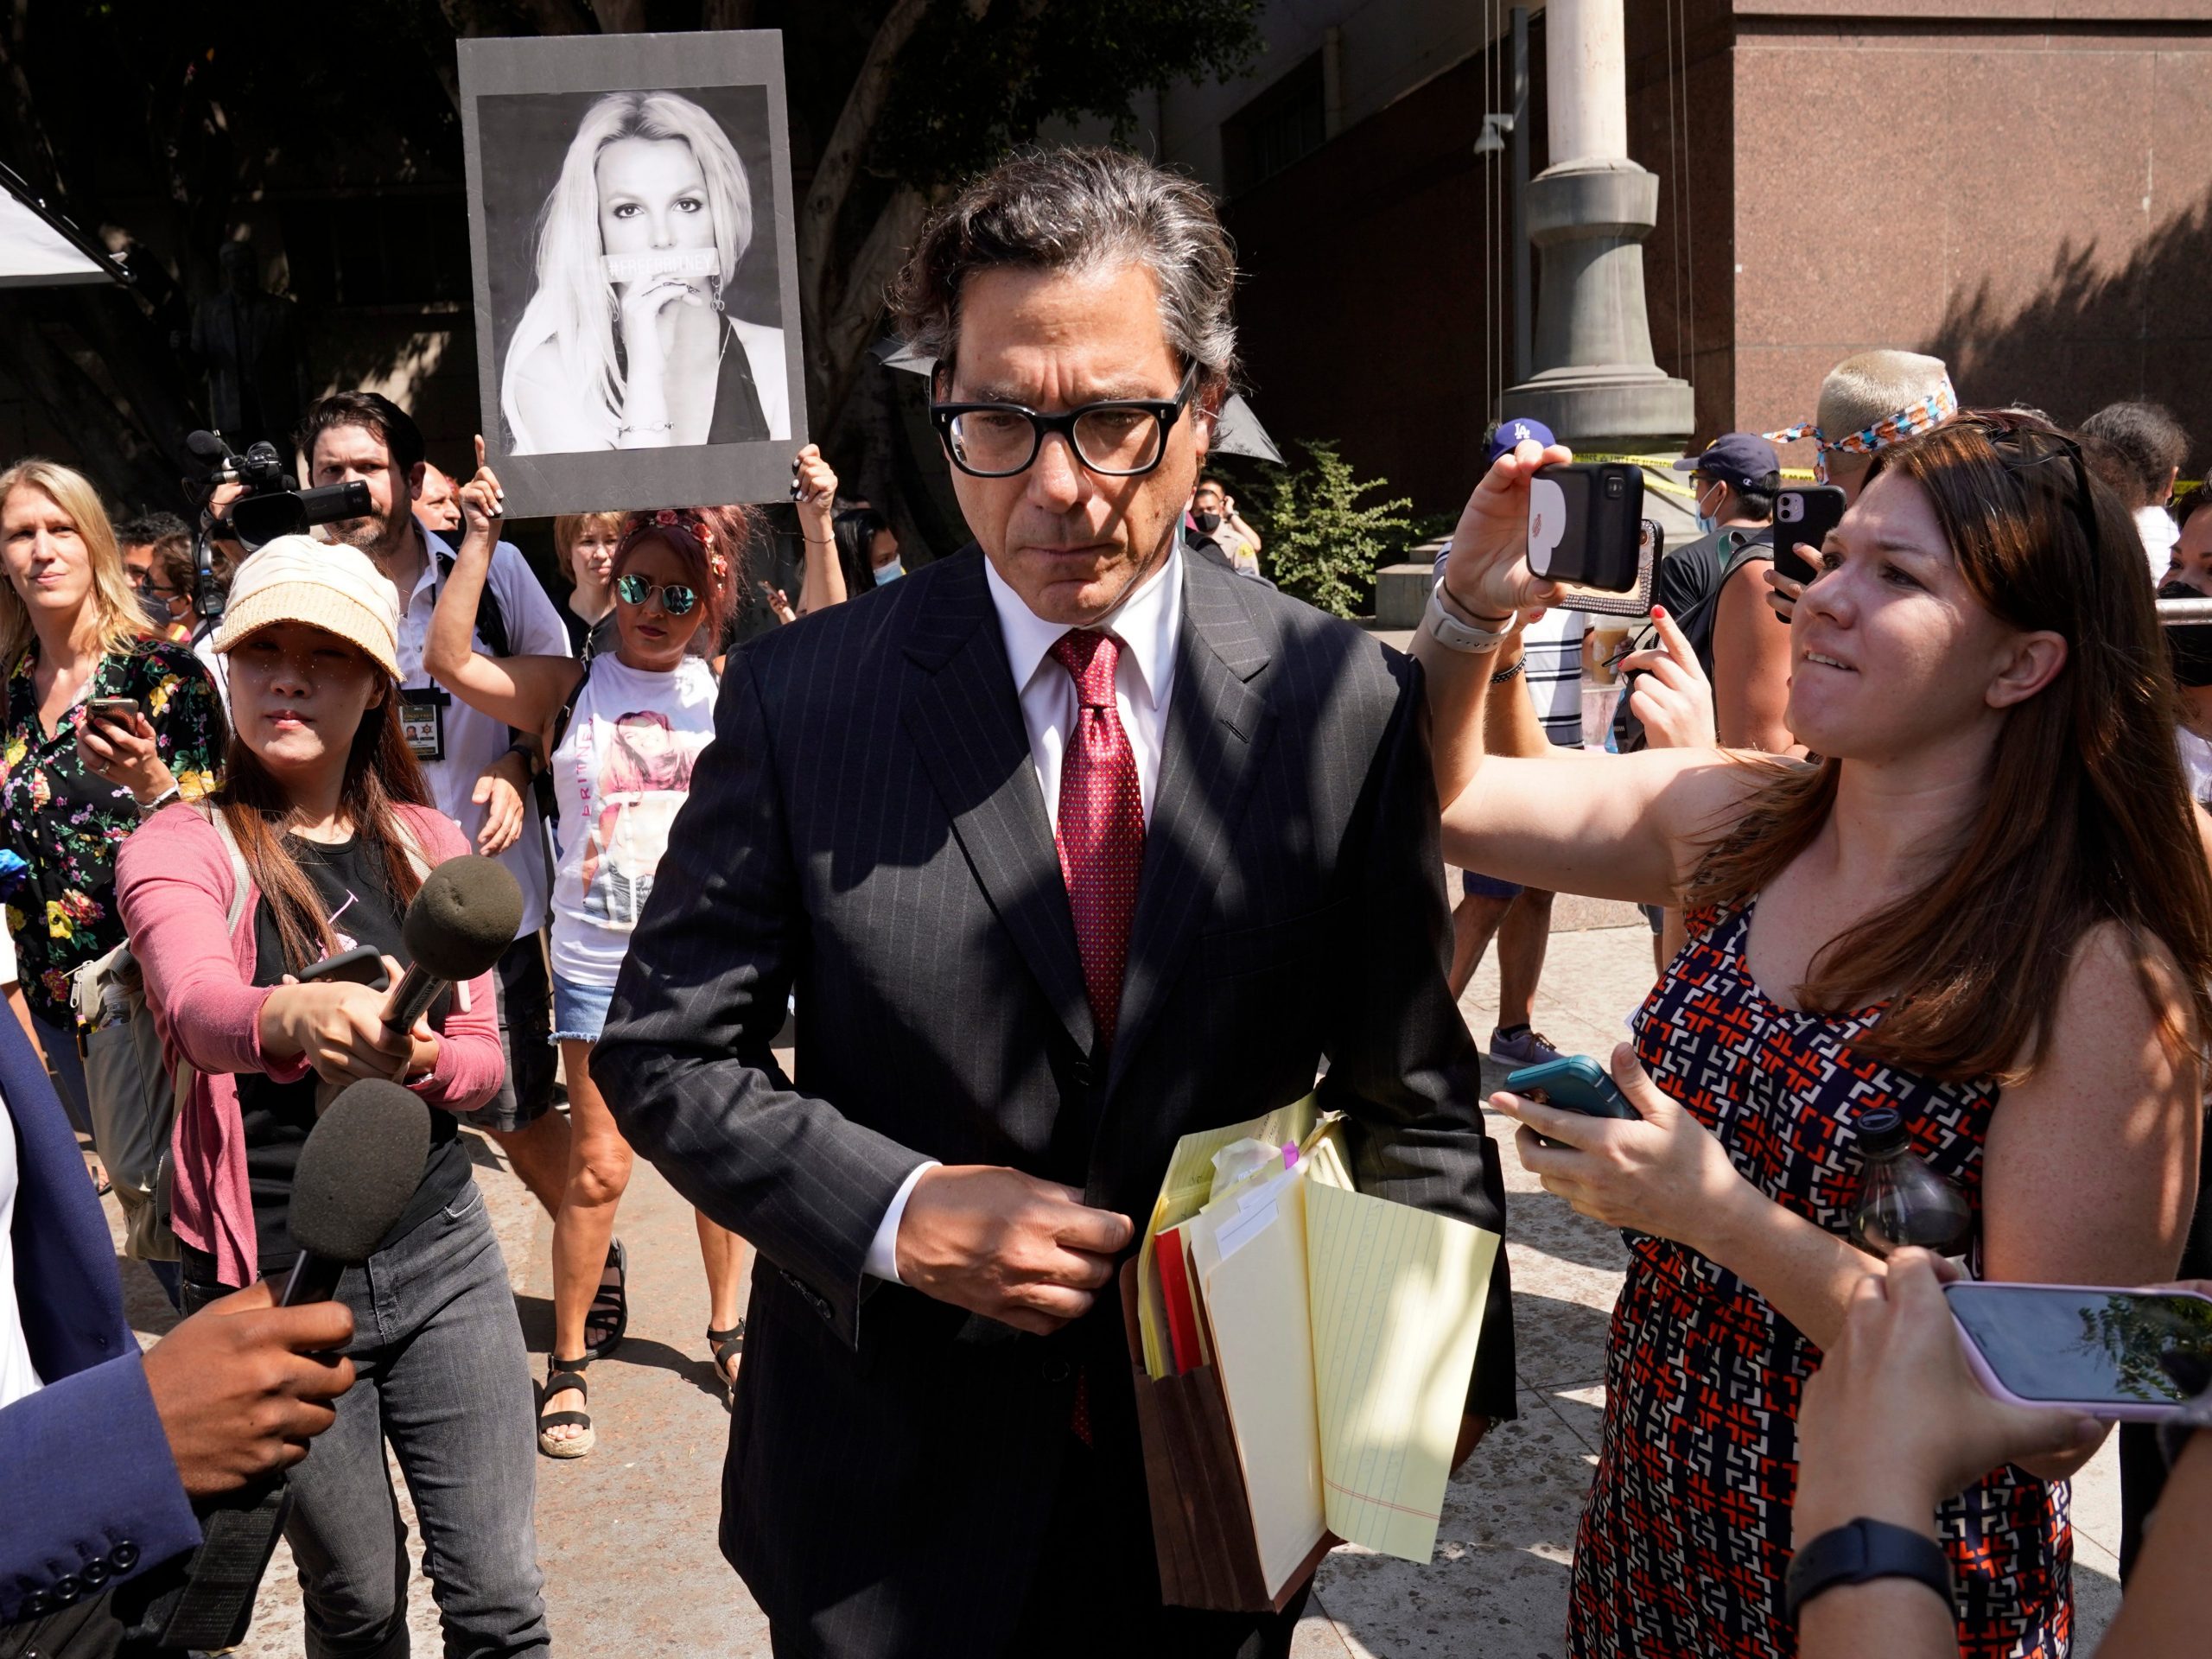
2023,188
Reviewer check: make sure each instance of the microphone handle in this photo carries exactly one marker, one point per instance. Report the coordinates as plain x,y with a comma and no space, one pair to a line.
411,998
313,1278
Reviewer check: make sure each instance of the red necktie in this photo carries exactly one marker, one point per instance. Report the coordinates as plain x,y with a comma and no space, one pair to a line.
1101,833
1101,841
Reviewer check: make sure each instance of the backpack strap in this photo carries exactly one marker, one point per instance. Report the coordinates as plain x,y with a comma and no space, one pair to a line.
569,703
419,860
240,878
491,623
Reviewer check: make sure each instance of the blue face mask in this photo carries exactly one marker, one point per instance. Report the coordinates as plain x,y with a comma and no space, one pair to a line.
1707,524
890,572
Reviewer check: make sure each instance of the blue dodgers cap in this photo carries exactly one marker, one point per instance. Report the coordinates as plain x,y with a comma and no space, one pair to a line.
1742,461
1511,433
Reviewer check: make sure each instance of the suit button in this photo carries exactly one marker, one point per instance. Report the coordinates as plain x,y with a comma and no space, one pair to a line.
1057,1369
67,1589
94,1573
37,1604
1079,1074
124,1555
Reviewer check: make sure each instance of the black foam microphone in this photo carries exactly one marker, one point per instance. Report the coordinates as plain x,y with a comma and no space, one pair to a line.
357,1168
357,1171
460,925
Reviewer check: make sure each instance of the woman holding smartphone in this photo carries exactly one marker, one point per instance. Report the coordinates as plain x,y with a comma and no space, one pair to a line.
104,723
316,846
1985,906
623,731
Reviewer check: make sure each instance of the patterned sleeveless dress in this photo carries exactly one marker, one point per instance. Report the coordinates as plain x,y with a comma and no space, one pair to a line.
1685,1538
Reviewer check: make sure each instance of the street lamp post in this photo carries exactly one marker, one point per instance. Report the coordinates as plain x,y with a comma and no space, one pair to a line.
1596,383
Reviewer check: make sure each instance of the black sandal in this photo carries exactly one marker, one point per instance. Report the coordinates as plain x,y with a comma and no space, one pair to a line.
609,1316
727,1345
561,1376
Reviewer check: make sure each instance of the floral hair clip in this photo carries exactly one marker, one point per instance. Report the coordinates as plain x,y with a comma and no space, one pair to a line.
691,523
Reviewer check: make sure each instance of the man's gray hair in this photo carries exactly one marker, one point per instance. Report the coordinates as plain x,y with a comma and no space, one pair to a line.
1078,209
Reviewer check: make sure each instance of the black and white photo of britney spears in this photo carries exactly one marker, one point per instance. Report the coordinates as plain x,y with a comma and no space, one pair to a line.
627,342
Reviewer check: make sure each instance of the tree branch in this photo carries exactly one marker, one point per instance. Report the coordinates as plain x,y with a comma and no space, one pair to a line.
837,345
847,148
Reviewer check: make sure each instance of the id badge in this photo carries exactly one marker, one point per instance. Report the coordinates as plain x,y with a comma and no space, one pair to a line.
424,722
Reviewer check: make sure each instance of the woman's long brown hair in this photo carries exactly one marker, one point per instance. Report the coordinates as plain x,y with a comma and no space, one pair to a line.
381,773
2086,819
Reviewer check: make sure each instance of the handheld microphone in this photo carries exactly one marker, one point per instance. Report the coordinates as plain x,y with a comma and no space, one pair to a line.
460,925
358,1169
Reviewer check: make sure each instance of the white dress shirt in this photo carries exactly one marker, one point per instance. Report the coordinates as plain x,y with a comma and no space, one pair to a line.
2159,533
1148,623
473,740
18,1377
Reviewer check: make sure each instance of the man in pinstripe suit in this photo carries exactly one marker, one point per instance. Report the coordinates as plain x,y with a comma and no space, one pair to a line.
1069,846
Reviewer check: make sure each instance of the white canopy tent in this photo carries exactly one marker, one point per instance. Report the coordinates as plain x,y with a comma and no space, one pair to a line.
36,251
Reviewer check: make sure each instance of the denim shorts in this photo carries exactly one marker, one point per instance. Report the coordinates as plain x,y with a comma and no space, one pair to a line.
579,1011
1478,886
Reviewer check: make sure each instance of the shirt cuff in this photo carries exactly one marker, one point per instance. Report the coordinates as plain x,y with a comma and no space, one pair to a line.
882,1261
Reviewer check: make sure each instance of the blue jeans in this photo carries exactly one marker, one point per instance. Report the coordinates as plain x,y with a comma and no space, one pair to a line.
68,1068
440,1372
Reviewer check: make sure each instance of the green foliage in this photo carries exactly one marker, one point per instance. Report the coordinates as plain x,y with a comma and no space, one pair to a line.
1322,544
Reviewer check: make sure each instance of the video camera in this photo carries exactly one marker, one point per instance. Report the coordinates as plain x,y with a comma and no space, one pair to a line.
274,504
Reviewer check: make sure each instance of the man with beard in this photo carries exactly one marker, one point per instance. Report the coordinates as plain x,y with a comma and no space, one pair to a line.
479,774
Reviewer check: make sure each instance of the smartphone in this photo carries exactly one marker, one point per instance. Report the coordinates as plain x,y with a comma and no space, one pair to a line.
1804,513
1585,521
1636,601
362,966
1573,1083
123,711
2099,1352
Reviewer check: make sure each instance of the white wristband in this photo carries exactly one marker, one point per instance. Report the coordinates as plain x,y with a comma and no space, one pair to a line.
1449,631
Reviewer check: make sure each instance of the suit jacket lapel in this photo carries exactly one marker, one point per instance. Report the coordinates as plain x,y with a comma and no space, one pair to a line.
1217,726
966,719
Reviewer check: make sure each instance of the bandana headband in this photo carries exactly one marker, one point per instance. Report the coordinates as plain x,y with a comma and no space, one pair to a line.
663,519
1920,416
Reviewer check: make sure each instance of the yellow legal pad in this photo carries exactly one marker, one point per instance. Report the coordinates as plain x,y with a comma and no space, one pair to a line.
1342,1327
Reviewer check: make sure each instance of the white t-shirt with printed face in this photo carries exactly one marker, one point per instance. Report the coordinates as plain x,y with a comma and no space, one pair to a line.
18,1377
621,773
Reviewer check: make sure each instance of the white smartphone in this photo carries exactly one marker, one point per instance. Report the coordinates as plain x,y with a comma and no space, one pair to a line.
2098,1351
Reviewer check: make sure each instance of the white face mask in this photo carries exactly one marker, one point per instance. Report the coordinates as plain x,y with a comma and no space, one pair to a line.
890,572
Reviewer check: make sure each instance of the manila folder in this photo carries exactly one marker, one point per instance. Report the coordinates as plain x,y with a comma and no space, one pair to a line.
1252,1257
1396,1298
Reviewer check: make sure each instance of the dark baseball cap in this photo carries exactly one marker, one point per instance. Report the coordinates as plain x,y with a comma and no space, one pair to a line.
1511,433
1742,461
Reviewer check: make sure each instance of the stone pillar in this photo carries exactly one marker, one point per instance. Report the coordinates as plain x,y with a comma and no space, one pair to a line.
1596,384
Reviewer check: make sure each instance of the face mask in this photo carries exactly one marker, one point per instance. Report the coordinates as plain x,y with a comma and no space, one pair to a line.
1207,522
1707,524
156,609
890,572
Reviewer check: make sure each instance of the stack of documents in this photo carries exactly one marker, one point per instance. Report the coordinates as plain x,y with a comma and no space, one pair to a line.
1337,1330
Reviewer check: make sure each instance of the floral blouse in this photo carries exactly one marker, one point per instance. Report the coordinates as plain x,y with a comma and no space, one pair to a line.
65,822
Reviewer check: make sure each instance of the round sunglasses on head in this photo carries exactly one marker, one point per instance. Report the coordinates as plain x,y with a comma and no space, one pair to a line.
675,598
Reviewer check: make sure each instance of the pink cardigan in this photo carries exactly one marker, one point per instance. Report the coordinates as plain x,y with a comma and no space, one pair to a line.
173,885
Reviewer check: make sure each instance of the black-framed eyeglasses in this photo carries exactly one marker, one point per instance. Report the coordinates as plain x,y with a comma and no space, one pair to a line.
675,598
1121,437
2035,443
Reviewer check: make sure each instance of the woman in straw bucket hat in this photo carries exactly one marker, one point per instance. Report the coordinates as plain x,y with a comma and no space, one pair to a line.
316,844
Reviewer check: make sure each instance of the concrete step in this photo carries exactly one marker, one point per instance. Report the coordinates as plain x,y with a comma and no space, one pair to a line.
1401,593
